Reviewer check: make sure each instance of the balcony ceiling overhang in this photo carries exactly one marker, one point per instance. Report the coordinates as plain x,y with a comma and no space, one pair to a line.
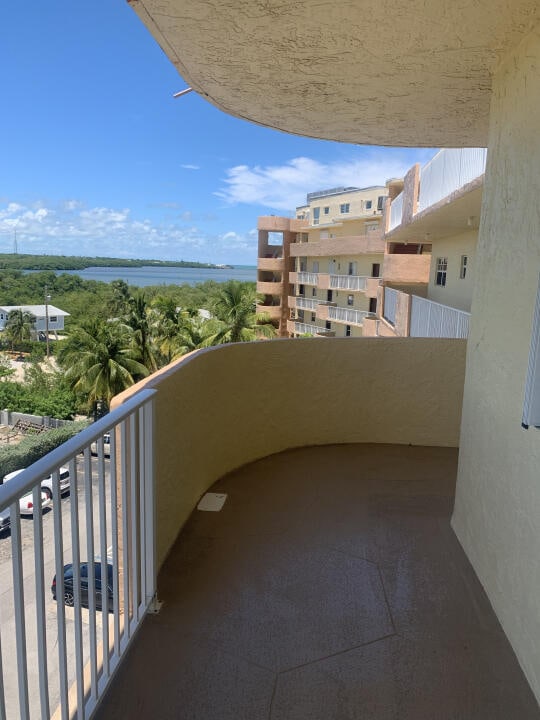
400,72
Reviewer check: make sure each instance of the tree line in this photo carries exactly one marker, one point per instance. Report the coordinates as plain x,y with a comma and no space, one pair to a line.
132,334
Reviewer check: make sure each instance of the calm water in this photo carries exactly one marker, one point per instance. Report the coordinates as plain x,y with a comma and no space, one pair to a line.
163,275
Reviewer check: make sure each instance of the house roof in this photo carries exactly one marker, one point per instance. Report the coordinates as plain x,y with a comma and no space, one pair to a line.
37,310
383,72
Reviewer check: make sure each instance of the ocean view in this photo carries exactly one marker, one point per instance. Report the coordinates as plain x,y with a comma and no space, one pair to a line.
149,275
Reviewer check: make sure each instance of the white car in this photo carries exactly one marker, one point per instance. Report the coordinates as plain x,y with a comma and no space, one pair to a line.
106,446
26,507
46,489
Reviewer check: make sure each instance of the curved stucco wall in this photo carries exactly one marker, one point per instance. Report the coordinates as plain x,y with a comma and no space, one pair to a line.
221,408
497,512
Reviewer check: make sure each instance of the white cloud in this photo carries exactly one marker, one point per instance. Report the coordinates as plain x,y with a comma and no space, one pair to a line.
284,187
190,167
68,229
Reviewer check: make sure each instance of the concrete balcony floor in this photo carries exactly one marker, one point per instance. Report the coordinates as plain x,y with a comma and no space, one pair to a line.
330,587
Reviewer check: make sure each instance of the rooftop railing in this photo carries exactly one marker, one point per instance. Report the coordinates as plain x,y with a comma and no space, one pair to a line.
450,170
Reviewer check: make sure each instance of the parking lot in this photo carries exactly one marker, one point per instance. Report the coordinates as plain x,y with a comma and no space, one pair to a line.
7,608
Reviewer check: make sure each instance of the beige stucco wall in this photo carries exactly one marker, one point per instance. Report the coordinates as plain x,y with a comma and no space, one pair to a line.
220,408
406,268
456,293
497,510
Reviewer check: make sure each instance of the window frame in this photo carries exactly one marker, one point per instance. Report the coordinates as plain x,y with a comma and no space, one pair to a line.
441,270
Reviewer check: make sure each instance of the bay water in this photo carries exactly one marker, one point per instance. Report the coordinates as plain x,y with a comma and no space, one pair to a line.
149,275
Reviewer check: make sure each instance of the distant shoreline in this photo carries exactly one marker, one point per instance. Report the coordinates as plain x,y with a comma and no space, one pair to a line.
10,261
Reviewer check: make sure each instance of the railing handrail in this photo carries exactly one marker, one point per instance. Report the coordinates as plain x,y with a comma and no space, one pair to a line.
42,468
442,305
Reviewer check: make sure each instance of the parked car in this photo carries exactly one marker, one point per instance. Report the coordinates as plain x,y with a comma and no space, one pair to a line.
5,521
46,483
103,589
106,446
26,507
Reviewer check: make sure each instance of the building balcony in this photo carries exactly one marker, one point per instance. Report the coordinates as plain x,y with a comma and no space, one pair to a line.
372,286
406,269
303,303
347,316
296,327
410,315
276,223
272,311
304,278
330,582
272,264
370,243
269,288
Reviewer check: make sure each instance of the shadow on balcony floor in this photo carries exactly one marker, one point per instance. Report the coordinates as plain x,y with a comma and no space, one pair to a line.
330,586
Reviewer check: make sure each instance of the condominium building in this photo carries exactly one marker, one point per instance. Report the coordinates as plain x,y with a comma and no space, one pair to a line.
431,224
326,278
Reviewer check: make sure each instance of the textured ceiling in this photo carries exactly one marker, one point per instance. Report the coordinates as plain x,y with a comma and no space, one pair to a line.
384,72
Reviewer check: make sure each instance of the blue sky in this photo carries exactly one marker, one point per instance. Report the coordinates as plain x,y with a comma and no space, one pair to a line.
98,158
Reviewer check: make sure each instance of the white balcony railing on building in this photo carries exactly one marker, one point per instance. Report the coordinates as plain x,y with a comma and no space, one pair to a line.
348,282
60,657
449,171
303,303
346,315
308,278
305,329
431,319
390,305
396,212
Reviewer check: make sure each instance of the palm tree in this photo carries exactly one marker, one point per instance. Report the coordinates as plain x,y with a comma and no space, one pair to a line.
100,361
235,318
139,321
19,326
194,333
167,321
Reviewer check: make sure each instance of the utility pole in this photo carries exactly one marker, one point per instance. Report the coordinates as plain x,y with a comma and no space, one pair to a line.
47,299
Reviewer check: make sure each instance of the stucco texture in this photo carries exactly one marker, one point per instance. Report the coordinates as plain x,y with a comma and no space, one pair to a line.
221,408
497,507
381,72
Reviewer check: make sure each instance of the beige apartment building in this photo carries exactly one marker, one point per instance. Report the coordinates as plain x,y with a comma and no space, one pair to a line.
431,234
320,275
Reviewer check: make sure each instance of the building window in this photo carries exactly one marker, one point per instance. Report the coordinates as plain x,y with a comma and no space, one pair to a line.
347,331
53,319
344,208
350,299
312,317
326,210
369,203
328,325
316,266
314,292
301,290
380,202
316,213
463,267
440,278
372,305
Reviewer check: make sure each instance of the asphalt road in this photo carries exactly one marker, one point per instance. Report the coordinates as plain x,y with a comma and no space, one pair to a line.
7,608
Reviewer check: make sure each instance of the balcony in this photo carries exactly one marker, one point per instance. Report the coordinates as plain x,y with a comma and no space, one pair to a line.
371,242
272,311
300,328
348,282
449,171
272,264
406,269
276,223
304,278
346,316
265,287
331,582
303,303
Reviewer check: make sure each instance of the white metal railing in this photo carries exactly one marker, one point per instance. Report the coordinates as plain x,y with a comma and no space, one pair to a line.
396,211
303,303
348,282
431,319
448,171
51,652
305,329
390,304
346,315
308,278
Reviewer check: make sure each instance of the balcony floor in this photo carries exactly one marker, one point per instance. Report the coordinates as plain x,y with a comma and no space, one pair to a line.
330,587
